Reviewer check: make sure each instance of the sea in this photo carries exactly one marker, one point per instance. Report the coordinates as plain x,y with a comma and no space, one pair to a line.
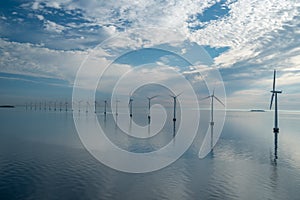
42,157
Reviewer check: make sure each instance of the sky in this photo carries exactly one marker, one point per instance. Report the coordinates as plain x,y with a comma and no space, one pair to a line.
44,43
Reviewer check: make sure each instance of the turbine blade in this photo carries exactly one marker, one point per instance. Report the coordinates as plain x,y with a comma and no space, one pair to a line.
204,98
219,100
272,97
274,78
153,97
179,94
214,92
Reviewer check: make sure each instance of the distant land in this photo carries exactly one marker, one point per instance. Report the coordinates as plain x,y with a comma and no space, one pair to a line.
257,110
6,106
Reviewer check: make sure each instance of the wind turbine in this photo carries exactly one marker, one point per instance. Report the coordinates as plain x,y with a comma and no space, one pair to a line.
274,94
60,106
212,123
149,105
174,112
95,106
87,107
79,102
130,105
117,101
54,105
105,104
49,105
66,104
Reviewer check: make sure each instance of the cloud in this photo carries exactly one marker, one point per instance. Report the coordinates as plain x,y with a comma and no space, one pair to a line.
35,60
258,35
53,27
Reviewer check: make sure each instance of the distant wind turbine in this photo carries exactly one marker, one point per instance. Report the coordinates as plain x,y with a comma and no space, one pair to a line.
49,105
79,102
174,109
149,105
95,106
117,101
212,123
130,105
66,104
105,104
87,107
274,94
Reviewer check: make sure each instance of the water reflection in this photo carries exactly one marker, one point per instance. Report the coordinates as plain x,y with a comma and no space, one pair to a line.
275,156
274,170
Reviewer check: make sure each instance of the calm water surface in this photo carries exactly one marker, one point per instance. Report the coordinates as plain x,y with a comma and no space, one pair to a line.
41,157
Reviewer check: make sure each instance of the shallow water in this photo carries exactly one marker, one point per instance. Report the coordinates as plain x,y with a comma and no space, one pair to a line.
41,157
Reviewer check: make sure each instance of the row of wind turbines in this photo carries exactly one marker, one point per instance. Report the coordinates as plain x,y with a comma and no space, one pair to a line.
64,106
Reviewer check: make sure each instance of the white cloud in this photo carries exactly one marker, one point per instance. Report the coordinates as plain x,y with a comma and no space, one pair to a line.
40,17
53,27
34,60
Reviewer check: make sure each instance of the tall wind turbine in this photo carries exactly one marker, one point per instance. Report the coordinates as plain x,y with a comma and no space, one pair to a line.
149,105
174,109
212,123
274,94
130,105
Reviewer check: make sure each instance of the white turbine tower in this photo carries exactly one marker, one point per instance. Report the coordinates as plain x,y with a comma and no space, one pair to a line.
174,109
212,123
274,94
149,105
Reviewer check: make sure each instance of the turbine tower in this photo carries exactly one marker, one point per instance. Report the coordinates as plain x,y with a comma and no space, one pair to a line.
274,94
174,109
212,123
149,105
130,105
